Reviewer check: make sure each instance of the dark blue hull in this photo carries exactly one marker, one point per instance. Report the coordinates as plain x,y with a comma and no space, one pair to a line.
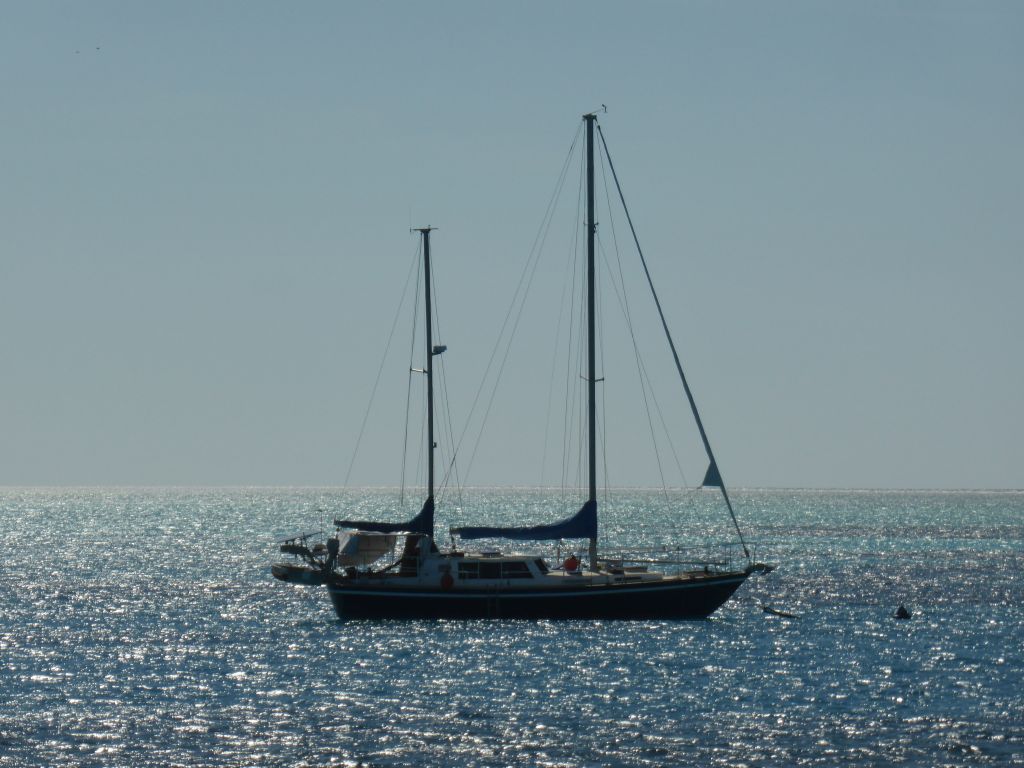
682,598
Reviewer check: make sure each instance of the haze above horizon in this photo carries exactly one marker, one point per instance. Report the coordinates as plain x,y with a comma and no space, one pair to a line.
206,213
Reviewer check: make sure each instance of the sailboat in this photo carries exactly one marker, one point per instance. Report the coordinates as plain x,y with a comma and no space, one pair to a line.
422,581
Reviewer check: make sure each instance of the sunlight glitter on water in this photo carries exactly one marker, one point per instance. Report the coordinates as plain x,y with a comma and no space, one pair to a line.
142,627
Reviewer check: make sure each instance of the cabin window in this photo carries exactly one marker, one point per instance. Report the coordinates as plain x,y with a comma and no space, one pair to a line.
541,565
499,570
518,570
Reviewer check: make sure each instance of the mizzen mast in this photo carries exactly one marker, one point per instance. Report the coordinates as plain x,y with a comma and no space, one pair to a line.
431,351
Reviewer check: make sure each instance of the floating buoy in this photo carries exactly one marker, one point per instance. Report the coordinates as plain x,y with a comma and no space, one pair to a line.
902,613
777,612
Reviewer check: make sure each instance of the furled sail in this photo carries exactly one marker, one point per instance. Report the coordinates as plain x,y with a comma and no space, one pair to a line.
582,525
422,523
712,479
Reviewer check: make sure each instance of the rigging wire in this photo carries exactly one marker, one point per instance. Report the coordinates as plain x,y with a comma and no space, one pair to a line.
664,425
412,355
447,421
624,306
380,369
449,433
421,472
672,346
519,297
602,424
602,433
573,420
567,284
581,400
572,376
641,365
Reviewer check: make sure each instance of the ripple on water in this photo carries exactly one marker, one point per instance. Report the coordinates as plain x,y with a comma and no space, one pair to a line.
141,627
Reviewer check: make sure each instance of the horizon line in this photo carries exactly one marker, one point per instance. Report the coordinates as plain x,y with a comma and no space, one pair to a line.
656,489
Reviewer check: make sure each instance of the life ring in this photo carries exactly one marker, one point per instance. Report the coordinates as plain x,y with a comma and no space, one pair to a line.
447,582
571,564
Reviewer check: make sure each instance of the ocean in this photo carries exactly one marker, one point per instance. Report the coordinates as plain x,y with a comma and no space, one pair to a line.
142,627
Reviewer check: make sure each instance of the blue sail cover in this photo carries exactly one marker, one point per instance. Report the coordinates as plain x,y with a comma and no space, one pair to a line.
582,525
422,523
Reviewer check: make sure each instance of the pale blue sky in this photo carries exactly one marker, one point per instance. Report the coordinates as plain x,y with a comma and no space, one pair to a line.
205,212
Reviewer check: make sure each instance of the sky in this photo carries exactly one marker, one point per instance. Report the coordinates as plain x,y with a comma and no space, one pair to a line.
205,215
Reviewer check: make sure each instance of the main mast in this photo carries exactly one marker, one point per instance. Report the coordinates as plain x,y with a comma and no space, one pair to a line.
591,356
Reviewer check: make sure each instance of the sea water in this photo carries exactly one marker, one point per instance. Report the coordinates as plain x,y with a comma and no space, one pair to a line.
142,627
